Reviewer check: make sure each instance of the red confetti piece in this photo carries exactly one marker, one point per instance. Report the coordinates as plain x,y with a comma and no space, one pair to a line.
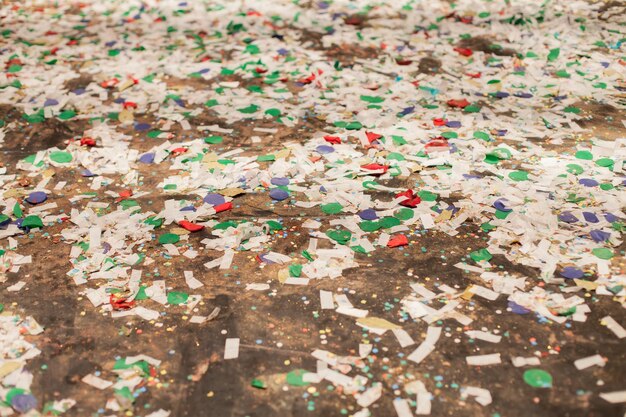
223,207
371,136
397,240
192,227
109,83
178,151
411,200
461,104
375,167
126,193
87,141
464,51
119,303
333,139
439,122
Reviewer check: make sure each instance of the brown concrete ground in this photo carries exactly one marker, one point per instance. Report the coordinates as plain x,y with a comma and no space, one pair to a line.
194,380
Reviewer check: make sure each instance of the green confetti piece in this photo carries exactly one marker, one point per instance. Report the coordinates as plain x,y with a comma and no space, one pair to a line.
394,156
126,204
586,155
141,293
574,169
13,392
17,210
273,112
472,108
572,109
354,126
372,99
554,54
61,157
32,222
67,114
518,175
274,225
388,222
562,74
487,227
257,383
538,378
369,226
34,118
295,378
176,298
225,225
605,162
502,214
253,49
211,103
404,214
169,238
427,195
214,140
398,140
253,108
152,221
481,255
295,270
340,236
603,253
450,135
332,208
266,158
482,135
14,68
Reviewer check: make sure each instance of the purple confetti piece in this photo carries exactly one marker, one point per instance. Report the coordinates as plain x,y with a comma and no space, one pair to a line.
500,204
518,309
368,214
142,127
280,181
22,403
611,218
324,149
279,194
568,217
214,199
588,182
50,102
571,272
590,217
37,197
147,158
599,235
87,174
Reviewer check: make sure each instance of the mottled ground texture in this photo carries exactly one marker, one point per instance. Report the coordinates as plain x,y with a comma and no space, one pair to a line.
506,118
